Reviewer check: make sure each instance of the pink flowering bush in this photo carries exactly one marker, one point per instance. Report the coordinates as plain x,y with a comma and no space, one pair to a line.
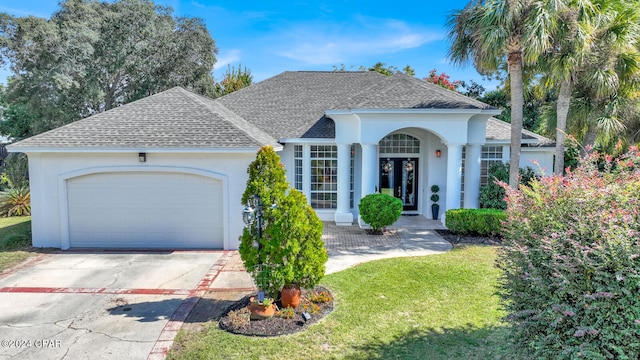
442,80
571,261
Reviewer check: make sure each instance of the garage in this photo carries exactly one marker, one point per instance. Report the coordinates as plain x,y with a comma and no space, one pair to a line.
146,209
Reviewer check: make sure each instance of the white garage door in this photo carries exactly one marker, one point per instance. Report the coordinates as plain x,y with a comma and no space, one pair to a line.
145,210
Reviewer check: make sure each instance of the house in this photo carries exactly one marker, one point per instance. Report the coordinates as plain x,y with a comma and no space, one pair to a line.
168,171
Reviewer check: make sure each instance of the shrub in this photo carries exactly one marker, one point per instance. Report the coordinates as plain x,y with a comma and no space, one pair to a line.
15,202
15,241
434,193
571,261
483,222
492,195
380,210
291,247
15,171
296,246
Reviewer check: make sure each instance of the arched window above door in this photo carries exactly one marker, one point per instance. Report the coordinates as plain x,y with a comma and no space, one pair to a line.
399,144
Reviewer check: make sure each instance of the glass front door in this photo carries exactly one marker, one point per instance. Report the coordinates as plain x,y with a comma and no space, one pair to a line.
399,178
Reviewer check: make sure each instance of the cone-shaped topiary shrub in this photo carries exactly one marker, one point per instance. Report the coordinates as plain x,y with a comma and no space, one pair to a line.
267,179
292,250
571,261
297,248
380,210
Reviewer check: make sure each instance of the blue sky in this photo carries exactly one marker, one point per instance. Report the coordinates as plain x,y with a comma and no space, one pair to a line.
269,37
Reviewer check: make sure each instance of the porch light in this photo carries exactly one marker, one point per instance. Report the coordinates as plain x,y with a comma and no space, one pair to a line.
248,215
142,157
438,153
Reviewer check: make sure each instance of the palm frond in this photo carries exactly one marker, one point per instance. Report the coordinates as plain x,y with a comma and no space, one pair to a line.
15,202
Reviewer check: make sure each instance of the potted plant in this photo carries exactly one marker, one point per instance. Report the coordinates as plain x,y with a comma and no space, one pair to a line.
290,296
435,208
261,310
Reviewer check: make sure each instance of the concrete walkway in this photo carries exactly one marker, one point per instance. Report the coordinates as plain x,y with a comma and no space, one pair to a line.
409,236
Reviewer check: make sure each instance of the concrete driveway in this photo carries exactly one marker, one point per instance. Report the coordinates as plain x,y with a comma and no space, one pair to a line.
105,305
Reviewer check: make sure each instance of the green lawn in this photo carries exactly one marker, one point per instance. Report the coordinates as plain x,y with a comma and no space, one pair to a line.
15,240
431,307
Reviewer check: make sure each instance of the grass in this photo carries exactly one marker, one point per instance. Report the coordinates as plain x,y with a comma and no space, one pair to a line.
436,307
15,240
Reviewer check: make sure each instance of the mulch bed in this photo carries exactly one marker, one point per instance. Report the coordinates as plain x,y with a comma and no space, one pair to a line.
469,239
276,325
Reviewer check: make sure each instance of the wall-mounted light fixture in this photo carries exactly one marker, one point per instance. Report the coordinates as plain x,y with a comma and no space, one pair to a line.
142,157
438,153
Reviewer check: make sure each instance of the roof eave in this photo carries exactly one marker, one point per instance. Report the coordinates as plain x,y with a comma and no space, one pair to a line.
412,111
239,150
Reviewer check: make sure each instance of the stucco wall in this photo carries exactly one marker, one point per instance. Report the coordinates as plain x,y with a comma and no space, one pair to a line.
48,172
539,159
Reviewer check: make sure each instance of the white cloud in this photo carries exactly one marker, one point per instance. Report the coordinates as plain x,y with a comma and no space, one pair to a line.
19,12
197,4
318,44
227,58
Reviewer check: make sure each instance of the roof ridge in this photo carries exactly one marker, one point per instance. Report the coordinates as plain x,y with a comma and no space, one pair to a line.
429,85
367,88
234,119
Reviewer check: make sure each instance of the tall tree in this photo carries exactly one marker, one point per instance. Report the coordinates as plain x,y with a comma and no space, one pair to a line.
233,80
91,56
472,89
489,32
597,62
383,69
572,40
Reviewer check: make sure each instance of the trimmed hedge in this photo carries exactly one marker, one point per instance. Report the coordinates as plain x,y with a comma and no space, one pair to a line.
483,222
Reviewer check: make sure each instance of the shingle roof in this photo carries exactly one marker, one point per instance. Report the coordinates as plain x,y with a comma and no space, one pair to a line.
289,105
501,130
292,104
175,118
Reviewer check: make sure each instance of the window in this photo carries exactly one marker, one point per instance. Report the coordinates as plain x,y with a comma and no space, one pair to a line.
324,176
297,168
490,155
399,144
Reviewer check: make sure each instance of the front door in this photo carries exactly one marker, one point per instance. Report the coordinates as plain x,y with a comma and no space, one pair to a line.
399,178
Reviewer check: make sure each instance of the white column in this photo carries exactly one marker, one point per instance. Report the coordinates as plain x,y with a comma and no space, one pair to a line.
454,177
369,168
472,165
343,215
369,172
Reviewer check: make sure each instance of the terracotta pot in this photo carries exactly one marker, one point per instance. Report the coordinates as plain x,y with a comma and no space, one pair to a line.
290,296
259,311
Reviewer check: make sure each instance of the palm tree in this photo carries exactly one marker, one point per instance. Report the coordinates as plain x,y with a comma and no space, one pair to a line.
596,47
571,42
492,31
